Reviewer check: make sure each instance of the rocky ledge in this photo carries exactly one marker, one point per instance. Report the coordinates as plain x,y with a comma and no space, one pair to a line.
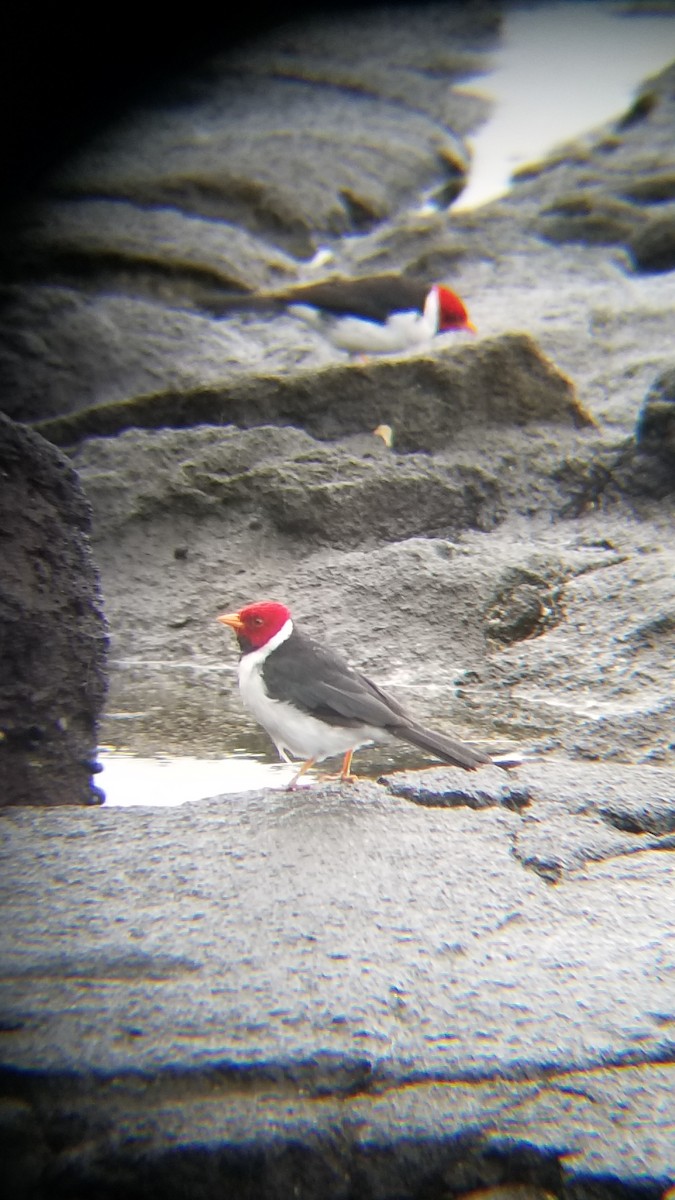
415,987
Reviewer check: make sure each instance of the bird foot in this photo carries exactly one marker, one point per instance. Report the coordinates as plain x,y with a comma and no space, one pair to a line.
293,785
338,777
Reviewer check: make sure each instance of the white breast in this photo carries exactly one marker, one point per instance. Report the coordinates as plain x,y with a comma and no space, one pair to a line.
294,733
401,331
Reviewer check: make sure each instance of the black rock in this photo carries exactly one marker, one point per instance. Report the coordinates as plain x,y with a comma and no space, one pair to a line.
53,635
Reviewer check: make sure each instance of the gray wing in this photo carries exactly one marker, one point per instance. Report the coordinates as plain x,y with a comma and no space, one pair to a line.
319,683
373,297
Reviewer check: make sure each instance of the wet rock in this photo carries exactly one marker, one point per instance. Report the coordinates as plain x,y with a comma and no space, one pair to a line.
571,813
53,634
446,788
487,944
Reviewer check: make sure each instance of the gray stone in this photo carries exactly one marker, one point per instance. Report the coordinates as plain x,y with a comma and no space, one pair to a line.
384,987
173,256
591,219
655,433
310,132
62,350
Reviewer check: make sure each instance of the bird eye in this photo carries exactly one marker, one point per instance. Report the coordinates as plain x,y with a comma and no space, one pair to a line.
257,620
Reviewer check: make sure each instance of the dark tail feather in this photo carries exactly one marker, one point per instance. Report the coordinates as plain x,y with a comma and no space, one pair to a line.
447,749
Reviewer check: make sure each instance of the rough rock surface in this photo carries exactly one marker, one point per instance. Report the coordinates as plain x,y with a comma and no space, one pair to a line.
343,993
434,983
53,636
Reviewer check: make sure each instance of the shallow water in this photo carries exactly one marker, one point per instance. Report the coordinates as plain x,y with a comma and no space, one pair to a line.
164,782
167,780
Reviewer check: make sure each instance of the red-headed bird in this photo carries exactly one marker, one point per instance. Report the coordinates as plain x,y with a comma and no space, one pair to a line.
314,705
378,314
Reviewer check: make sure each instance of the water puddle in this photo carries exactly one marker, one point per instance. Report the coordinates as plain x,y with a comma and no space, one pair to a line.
164,782
560,71
130,780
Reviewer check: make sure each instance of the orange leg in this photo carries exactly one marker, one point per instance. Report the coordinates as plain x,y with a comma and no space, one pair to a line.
346,772
305,767
345,775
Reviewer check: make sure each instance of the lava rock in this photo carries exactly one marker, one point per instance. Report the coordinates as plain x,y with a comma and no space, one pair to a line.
53,635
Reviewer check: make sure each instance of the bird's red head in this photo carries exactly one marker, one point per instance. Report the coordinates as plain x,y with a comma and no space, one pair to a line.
255,624
452,313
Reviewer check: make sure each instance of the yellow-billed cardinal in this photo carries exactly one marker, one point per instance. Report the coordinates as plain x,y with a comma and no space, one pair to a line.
314,705
377,314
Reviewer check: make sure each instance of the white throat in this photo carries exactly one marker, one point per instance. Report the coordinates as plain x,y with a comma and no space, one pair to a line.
432,311
295,733
253,659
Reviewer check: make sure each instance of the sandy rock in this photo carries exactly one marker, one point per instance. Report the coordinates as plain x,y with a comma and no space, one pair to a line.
427,400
